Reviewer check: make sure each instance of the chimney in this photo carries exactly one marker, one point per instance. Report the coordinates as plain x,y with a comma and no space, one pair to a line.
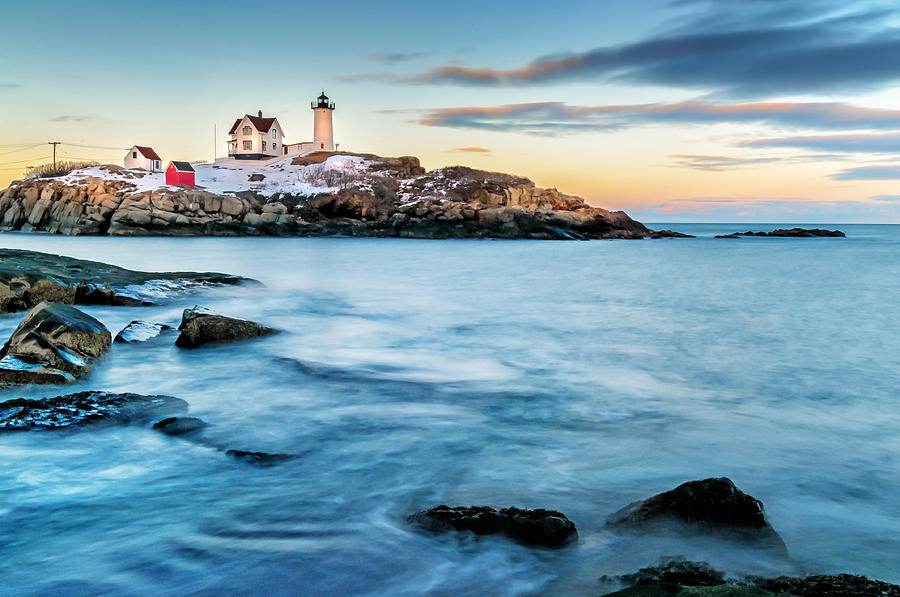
259,113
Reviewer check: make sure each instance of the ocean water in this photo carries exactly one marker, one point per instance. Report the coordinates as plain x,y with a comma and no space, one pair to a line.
577,376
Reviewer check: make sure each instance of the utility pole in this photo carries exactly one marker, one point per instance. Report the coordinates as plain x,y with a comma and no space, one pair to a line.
54,144
215,137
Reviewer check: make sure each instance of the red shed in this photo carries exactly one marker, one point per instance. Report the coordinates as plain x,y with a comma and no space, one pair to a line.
180,173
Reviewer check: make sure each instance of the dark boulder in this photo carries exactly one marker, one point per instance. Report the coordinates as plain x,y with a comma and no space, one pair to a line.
200,326
712,505
180,425
73,411
259,458
140,331
52,338
669,234
535,527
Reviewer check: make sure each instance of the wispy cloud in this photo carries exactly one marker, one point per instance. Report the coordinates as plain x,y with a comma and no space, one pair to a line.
715,163
473,150
869,173
70,118
854,143
737,49
9,85
886,198
397,56
552,117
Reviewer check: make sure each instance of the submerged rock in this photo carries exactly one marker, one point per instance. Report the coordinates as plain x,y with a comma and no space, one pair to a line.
200,326
536,527
259,458
679,572
28,278
53,342
140,331
669,234
180,425
792,233
84,408
712,505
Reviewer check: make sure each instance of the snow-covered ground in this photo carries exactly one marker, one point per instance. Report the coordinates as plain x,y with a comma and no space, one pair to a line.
227,178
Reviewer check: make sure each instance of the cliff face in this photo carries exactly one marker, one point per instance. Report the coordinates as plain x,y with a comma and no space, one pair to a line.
376,197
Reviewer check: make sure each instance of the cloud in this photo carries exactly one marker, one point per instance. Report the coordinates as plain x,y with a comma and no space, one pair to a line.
397,56
9,85
854,143
473,149
552,117
886,198
70,118
735,49
869,173
715,163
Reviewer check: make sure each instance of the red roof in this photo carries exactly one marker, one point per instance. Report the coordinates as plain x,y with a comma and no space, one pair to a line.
148,153
262,125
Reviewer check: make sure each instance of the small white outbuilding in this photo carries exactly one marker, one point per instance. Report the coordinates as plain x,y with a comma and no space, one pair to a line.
143,157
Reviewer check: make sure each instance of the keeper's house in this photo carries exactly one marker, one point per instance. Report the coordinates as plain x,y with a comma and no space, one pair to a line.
255,138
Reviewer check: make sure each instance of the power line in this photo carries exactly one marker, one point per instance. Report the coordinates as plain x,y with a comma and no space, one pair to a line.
24,161
22,149
96,146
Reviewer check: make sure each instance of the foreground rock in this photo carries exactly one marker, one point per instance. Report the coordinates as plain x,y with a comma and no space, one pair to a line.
200,326
140,331
28,278
383,197
536,527
712,505
53,343
74,411
697,579
792,233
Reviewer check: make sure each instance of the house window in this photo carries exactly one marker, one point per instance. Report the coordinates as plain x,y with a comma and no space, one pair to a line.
134,155
274,132
322,145
246,130
248,145
274,146
264,146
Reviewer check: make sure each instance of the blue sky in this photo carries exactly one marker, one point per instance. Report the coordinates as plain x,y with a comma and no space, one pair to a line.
693,110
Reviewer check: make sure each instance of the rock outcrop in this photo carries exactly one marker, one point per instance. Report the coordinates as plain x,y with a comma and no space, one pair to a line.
74,411
712,505
391,197
28,278
535,527
200,326
259,458
792,233
53,343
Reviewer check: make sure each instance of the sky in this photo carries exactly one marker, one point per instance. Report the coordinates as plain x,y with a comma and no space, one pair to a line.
672,110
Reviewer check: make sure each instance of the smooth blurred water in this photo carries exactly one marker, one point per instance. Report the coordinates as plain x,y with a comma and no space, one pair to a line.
578,376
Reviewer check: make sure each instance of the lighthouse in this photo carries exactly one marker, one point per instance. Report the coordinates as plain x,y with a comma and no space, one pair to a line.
323,128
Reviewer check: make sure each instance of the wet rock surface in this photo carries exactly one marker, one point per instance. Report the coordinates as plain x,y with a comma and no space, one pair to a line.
52,337
28,278
535,527
200,326
176,426
140,331
73,411
391,197
791,233
713,505
683,579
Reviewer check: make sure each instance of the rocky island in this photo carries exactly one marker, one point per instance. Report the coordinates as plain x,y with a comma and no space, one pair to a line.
320,194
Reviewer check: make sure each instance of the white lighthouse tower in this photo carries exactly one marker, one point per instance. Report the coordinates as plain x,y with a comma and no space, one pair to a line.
323,128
